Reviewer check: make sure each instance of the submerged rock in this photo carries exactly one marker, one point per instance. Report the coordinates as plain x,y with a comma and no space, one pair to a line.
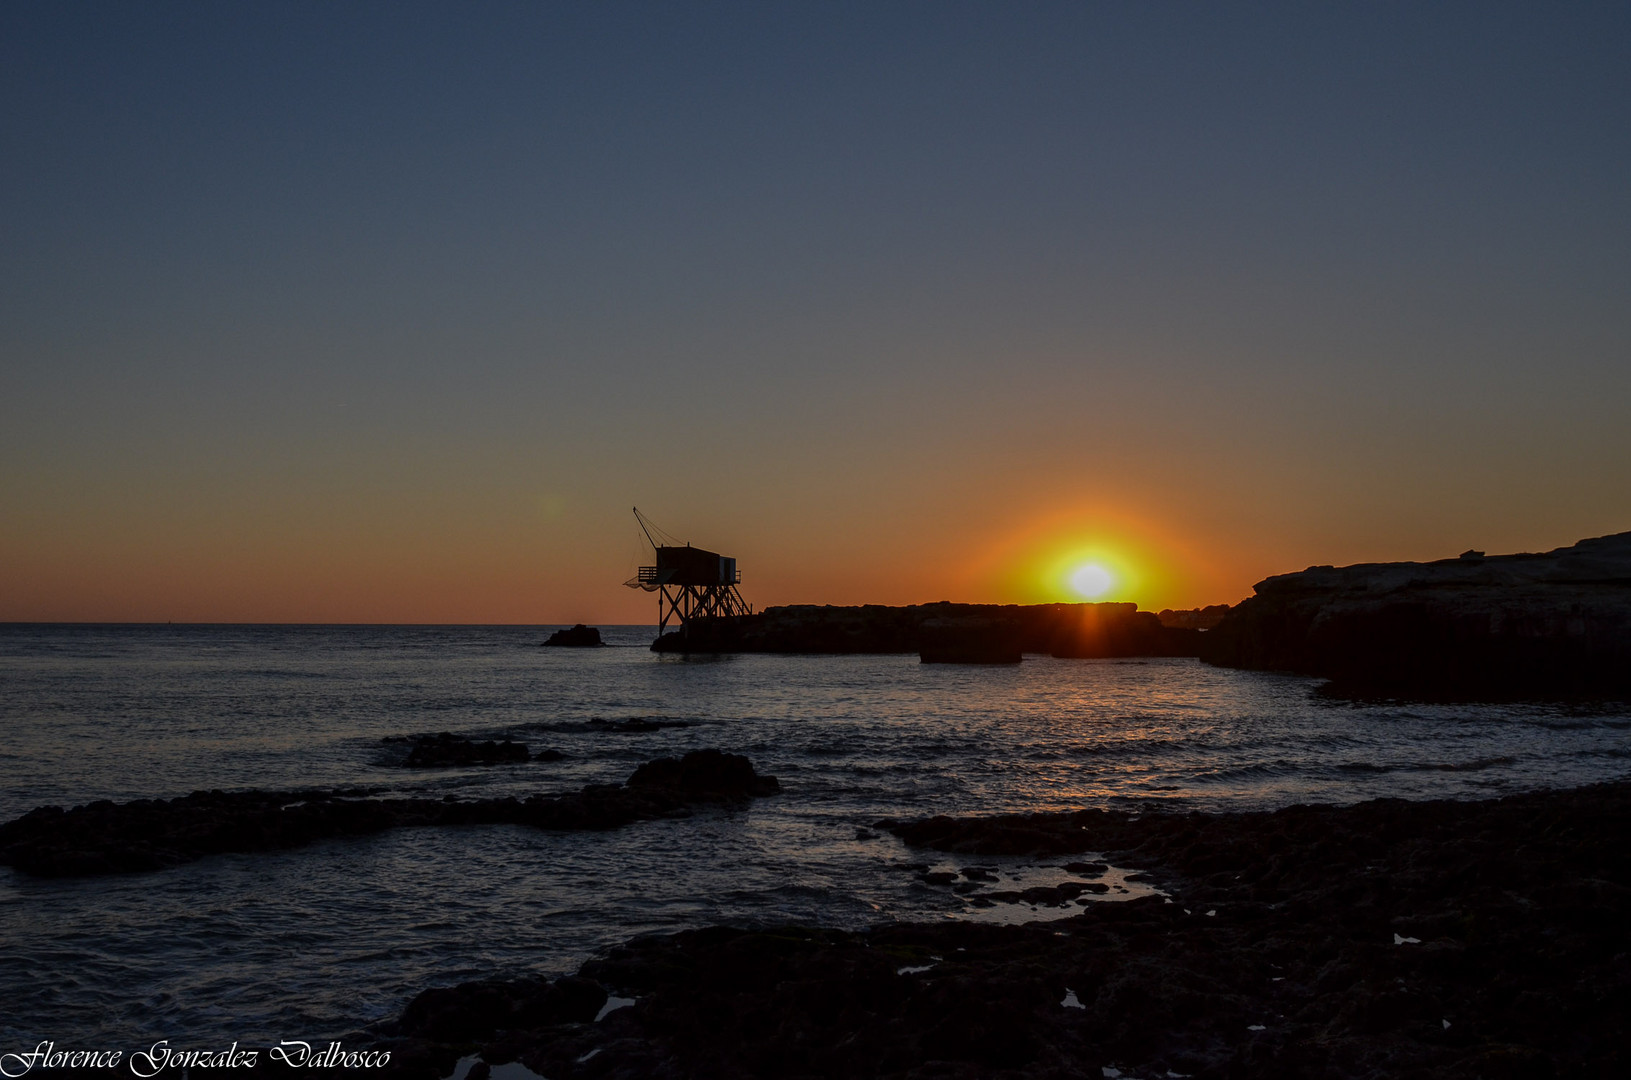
1550,626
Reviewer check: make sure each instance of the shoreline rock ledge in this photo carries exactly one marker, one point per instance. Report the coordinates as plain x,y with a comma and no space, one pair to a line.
1550,626
105,837
941,632
1389,939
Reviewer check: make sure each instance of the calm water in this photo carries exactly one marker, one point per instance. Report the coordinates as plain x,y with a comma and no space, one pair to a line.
313,943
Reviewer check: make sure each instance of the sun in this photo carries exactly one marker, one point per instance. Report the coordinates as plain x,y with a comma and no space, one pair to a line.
1091,580
1087,555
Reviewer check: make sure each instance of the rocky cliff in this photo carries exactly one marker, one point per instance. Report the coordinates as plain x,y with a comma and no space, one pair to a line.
1551,626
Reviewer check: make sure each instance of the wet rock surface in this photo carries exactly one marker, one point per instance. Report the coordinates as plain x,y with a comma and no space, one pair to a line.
1389,939
150,834
1478,628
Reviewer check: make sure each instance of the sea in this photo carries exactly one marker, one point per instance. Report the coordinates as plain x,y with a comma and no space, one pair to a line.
315,944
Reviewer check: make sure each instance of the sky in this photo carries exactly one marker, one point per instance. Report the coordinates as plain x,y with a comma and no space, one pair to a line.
391,313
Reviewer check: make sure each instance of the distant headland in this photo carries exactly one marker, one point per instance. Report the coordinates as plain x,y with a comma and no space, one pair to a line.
997,631
1552,626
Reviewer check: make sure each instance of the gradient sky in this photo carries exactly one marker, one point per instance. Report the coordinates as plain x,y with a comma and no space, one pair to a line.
318,312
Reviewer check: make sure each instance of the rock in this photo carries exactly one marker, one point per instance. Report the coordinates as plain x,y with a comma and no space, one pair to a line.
1087,869
579,636
1295,975
475,1011
1504,627
636,725
1194,618
445,749
549,755
1101,631
149,834
704,774
999,632
968,641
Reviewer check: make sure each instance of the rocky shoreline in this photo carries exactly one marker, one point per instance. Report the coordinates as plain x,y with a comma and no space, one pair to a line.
943,631
1388,939
150,834
1555,625
1549,626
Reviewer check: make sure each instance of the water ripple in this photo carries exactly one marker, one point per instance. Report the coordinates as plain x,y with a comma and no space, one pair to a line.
309,943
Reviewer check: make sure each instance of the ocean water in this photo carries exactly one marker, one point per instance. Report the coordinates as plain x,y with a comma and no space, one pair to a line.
314,943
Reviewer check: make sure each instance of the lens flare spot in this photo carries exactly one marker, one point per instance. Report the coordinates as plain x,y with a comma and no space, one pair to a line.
1091,580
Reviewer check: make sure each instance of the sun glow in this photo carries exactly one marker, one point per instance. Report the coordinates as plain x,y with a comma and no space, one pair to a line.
1091,580
1073,569
1095,554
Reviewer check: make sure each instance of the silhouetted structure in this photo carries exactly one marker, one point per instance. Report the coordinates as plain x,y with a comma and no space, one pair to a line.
690,583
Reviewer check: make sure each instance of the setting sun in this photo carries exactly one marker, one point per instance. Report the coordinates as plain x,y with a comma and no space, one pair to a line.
1092,580
1092,554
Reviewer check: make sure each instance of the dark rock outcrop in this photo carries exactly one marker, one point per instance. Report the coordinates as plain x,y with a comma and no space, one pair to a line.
579,636
1193,618
1073,630
634,725
149,834
1488,939
446,749
1550,626
1093,631
968,641
704,775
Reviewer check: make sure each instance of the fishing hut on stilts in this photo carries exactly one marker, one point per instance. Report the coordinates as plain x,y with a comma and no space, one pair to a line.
690,583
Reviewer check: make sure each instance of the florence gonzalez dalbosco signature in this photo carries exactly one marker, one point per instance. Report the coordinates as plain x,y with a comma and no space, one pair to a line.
161,1056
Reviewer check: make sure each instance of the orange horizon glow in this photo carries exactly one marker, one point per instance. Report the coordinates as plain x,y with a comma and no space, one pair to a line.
1143,562
503,561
